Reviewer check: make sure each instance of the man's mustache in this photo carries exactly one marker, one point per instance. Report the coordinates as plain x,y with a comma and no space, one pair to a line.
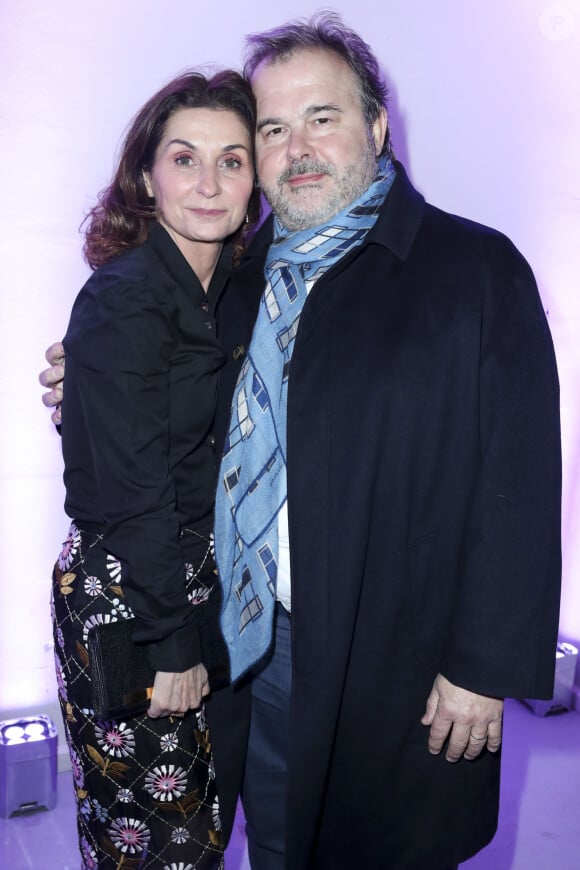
305,167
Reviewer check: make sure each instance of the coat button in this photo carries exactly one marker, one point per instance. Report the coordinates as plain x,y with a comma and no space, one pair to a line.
211,440
238,351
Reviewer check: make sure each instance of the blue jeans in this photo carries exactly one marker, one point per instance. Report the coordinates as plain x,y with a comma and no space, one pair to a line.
264,788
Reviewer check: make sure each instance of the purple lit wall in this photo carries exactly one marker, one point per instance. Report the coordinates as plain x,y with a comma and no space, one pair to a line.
485,110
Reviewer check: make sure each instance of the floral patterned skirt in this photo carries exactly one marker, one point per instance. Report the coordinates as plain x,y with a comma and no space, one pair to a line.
145,788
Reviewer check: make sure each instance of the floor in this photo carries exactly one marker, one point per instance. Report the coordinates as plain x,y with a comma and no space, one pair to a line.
539,825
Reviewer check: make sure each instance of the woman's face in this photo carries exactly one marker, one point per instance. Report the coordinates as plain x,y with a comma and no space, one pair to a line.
202,177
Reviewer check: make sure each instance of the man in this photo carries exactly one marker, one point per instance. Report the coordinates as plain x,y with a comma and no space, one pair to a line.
387,523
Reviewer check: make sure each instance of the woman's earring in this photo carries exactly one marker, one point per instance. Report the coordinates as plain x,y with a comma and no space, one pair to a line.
247,219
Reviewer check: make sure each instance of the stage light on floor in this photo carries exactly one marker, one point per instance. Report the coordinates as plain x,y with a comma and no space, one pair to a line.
563,697
28,765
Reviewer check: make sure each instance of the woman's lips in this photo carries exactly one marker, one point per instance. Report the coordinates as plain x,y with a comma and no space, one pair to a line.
208,212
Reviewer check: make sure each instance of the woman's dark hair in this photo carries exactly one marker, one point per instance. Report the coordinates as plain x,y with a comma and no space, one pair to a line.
121,217
325,30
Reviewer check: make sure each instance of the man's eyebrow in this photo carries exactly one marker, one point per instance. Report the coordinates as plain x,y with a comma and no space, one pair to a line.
314,110
268,122
307,113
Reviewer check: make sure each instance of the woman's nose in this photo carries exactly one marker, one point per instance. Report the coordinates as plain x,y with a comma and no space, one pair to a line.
208,181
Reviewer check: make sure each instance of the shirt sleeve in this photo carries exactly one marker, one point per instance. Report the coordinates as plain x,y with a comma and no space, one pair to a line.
118,352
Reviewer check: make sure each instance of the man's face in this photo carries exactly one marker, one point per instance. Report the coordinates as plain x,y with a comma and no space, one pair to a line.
314,149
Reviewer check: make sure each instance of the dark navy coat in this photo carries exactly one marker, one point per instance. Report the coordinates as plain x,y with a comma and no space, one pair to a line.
424,512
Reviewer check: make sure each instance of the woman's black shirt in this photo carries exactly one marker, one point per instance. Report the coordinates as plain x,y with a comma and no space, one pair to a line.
142,365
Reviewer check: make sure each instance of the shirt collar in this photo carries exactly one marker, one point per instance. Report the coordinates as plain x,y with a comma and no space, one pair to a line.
181,271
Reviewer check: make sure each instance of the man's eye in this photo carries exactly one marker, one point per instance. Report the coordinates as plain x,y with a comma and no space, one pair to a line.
321,121
273,131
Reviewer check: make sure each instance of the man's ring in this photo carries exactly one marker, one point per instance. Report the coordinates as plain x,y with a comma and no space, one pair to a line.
475,737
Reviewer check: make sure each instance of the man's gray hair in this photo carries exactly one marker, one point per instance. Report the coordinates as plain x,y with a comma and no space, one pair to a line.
324,30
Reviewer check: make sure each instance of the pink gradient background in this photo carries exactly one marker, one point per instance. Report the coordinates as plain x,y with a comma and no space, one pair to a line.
486,116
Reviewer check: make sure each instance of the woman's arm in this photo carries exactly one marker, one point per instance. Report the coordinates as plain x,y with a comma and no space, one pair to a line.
118,355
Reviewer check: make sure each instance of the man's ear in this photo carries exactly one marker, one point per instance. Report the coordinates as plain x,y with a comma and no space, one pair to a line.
379,130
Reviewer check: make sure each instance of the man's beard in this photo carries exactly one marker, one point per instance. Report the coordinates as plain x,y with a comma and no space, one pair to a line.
292,208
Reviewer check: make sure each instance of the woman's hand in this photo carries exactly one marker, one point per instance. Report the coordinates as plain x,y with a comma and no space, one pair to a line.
178,693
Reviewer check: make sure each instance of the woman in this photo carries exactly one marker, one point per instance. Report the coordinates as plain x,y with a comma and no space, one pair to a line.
142,363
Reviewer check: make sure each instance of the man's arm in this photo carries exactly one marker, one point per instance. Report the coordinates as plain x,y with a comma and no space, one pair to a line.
53,377
508,596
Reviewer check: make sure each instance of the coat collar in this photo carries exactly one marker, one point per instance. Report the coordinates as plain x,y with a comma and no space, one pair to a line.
400,217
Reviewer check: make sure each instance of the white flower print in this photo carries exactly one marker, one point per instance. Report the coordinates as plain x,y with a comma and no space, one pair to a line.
215,814
115,738
200,716
125,796
166,782
129,835
77,769
114,568
169,742
70,548
198,595
60,679
195,594
93,586
89,855
180,866
95,619
120,609
180,836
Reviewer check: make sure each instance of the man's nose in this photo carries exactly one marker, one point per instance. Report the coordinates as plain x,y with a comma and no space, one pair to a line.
299,146
208,181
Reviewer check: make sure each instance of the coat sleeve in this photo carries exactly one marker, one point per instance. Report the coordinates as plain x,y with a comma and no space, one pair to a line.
503,635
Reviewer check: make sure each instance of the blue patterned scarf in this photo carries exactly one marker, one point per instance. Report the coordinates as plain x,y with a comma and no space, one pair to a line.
252,478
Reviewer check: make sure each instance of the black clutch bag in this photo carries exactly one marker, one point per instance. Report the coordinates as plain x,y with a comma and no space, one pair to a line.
121,676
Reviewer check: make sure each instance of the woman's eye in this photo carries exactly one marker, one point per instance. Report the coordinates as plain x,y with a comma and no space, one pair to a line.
184,160
231,163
